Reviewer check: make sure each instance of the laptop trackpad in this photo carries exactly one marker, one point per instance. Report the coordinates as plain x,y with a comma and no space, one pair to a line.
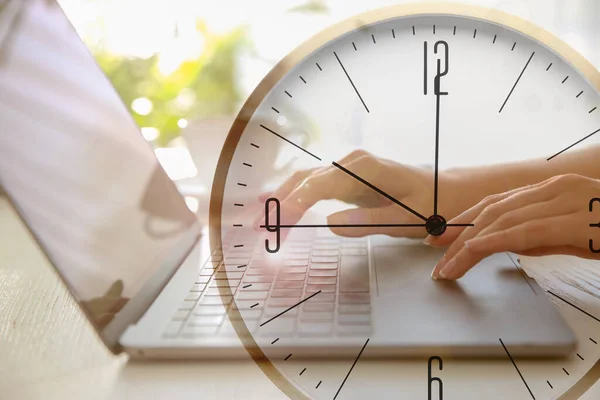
494,299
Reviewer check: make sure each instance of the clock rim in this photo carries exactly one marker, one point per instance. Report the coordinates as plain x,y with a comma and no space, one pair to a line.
295,57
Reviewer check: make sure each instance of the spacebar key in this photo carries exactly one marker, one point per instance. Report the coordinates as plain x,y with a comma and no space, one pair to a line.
354,274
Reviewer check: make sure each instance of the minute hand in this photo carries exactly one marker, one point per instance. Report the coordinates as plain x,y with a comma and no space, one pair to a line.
381,192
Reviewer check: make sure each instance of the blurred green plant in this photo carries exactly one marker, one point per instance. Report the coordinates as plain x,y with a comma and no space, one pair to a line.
197,88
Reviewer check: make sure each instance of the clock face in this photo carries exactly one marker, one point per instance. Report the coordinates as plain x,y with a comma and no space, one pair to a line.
447,87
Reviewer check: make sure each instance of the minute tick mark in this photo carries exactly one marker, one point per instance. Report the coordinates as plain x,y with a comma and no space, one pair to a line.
549,66
286,92
580,93
454,33
354,45
414,33
592,110
514,45
255,145
302,79
393,34
318,66
564,80
495,37
373,37
274,109
242,184
247,165
475,34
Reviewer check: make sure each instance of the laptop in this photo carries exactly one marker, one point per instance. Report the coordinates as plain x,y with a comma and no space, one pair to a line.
139,264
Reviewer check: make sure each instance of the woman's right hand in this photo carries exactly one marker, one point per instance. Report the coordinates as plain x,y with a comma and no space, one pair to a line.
410,185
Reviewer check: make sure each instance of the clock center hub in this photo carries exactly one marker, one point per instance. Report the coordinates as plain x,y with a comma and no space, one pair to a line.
435,225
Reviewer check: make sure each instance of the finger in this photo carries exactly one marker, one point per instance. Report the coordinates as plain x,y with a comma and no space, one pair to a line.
375,216
549,232
296,179
469,215
508,210
331,183
289,185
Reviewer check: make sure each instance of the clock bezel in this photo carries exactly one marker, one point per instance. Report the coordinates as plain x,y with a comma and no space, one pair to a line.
280,70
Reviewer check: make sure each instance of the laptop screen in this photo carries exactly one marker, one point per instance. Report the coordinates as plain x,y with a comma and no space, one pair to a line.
75,165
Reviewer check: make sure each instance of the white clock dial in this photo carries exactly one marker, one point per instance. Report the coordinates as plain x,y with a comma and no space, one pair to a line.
511,96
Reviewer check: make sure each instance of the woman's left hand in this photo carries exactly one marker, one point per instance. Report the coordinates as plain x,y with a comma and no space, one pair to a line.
550,217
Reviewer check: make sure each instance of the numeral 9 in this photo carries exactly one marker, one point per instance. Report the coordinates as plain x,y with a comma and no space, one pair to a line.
273,228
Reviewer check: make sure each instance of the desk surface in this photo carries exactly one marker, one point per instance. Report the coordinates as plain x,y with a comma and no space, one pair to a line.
50,351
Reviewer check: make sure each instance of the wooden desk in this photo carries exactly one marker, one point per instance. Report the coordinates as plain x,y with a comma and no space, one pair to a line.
48,350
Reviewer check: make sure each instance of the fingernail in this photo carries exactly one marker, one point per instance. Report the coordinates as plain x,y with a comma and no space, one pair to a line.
447,269
428,240
433,275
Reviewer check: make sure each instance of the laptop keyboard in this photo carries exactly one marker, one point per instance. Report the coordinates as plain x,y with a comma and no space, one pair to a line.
336,268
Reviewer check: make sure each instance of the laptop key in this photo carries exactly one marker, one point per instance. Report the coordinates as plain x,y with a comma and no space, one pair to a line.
181,315
206,320
323,298
323,272
291,277
221,275
321,280
187,305
195,331
259,279
247,315
215,300
315,329
322,288
289,285
202,279
355,298
317,316
326,253
255,286
210,309
193,296
198,287
311,307
324,259
354,275
284,302
320,266
354,308
295,262
252,295
354,319
286,293
294,270
354,252
249,304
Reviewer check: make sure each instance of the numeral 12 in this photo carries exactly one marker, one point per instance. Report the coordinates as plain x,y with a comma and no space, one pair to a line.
440,73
